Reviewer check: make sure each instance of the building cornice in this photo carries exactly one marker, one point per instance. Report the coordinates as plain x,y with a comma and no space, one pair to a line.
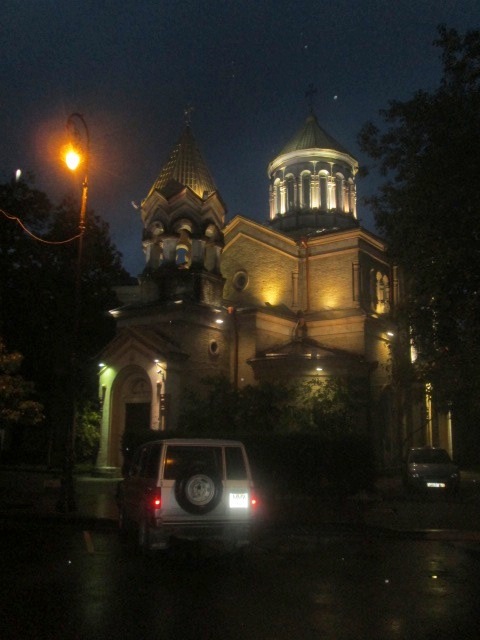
311,155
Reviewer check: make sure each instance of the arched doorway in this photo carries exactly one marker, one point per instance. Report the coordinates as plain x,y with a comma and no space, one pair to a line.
131,409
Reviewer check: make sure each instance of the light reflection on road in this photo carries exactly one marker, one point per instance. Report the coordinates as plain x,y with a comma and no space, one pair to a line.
330,585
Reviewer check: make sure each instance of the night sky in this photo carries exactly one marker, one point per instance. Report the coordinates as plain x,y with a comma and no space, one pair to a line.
132,67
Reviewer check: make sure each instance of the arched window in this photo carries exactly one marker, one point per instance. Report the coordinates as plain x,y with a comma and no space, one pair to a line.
306,184
373,290
386,293
290,184
183,249
351,196
382,292
380,288
323,191
277,197
339,191
182,257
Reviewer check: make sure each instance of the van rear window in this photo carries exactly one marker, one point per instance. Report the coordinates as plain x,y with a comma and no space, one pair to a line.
182,460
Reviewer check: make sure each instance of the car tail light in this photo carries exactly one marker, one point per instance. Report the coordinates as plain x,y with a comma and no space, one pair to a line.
155,499
253,500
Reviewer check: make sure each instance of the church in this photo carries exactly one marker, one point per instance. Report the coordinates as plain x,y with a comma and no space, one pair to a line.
308,294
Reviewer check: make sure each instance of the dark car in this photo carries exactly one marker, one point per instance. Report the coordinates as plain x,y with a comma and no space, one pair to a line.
431,468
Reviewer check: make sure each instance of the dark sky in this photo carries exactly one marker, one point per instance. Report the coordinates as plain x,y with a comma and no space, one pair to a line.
132,67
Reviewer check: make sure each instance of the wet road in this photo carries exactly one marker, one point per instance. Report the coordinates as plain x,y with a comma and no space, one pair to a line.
58,581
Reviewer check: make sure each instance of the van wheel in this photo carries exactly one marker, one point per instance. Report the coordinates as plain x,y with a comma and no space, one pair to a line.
198,491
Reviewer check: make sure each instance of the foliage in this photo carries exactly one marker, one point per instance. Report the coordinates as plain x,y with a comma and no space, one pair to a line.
300,437
38,293
330,407
428,209
266,408
201,413
87,436
16,404
334,405
222,409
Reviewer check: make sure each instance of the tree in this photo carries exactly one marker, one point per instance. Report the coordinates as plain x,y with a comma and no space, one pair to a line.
428,210
17,406
334,406
296,433
213,412
270,408
223,410
38,258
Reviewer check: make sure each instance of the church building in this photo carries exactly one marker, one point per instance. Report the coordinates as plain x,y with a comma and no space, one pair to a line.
308,294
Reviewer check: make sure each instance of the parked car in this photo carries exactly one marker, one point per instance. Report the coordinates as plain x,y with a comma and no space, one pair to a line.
193,489
431,468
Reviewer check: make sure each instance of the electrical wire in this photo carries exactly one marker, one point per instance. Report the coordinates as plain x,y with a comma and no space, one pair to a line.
32,235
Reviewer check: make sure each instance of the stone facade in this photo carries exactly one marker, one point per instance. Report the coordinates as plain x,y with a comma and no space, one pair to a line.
308,294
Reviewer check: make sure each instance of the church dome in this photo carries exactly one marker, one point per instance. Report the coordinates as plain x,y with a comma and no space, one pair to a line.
312,136
312,183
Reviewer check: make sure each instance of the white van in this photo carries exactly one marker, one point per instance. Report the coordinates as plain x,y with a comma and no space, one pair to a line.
193,489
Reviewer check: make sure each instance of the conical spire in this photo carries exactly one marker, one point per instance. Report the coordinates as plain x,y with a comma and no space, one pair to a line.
186,167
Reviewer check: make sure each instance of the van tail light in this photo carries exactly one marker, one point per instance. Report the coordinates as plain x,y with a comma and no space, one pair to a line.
155,499
253,500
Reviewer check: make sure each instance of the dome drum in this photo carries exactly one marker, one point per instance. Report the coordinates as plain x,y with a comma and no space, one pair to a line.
313,172
305,190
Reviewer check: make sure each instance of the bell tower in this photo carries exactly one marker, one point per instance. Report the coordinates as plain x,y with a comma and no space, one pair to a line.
183,217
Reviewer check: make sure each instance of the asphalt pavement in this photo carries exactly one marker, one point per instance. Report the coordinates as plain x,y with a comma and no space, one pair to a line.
34,492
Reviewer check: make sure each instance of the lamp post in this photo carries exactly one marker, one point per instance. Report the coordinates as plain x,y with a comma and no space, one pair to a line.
76,155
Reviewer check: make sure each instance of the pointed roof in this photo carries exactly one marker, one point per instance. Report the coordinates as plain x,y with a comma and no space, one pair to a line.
306,353
306,348
186,167
146,339
312,136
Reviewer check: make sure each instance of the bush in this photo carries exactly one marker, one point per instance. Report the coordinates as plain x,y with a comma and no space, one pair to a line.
87,436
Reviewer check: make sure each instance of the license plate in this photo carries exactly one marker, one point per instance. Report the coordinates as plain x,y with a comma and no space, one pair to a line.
436,485
238,501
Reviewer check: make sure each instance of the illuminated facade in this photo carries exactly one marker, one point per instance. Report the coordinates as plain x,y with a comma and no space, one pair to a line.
308,294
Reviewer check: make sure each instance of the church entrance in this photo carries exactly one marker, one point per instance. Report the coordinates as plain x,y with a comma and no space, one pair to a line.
131,409
137,416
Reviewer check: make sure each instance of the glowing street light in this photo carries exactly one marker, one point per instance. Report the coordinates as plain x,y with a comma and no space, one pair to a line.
72,159
76,156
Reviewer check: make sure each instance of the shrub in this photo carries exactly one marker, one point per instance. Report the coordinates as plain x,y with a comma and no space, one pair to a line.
87,436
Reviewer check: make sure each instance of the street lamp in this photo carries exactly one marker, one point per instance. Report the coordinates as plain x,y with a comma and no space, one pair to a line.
77,155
